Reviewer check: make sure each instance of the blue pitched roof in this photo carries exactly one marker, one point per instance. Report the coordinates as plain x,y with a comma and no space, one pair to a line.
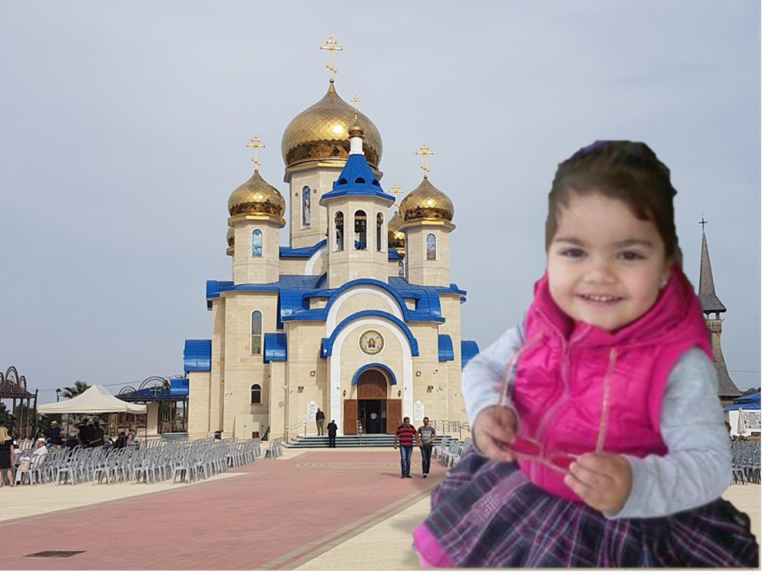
275,347
755,397
357,179
304,252
468,350
197,356
444,348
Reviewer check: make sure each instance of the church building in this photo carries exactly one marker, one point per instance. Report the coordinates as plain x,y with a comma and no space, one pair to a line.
357,317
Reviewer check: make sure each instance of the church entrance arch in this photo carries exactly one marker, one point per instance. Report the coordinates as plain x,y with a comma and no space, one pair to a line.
371,401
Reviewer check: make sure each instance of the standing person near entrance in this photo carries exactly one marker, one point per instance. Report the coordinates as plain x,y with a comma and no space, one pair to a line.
426,437
332,428
405,436
320,421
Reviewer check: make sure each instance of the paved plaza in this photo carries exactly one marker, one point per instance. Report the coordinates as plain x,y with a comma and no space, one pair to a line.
309,510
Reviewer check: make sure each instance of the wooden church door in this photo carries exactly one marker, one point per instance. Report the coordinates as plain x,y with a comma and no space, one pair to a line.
350,417
394,415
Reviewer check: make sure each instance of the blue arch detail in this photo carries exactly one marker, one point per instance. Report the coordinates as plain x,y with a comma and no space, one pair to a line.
361,370
343,288
327,344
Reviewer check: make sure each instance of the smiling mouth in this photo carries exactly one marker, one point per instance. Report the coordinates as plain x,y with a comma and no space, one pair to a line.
603,299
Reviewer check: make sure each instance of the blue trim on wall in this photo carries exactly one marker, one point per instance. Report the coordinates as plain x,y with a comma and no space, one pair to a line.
361,370
327,344
275,347
197,356
468,350
444,348
180,387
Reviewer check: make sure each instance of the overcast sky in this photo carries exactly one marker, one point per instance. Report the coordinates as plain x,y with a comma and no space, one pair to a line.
123,125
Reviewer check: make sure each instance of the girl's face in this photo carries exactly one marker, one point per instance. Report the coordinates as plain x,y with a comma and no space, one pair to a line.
605,266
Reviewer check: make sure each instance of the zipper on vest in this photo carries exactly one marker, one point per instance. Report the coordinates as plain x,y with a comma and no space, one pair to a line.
565,395
606,400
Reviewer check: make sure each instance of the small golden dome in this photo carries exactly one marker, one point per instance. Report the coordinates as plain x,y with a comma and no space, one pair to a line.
230,241
395,236
322,131
257,198
426,202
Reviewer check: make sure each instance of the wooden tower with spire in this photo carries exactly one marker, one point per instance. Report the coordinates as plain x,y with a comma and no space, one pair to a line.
726,390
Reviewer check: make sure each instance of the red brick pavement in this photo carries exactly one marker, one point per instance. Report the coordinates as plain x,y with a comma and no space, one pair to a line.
278,515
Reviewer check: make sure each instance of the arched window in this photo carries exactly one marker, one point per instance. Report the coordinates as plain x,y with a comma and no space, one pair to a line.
256,333
306,208
400,268
256,395
339,221
361,230
379,227
256,251
431,247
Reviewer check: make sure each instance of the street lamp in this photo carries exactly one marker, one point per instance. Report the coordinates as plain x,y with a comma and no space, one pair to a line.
58,393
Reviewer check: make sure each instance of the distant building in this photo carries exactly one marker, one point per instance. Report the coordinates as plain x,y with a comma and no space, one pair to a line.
726,390
357,317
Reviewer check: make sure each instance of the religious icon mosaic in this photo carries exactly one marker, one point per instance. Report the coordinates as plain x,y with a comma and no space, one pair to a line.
371,342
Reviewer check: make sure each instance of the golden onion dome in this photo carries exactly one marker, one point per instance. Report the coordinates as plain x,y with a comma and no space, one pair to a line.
322,131
256,197
395,236
230,241
426,201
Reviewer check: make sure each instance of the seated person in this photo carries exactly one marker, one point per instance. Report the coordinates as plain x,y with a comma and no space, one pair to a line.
53,434
72,442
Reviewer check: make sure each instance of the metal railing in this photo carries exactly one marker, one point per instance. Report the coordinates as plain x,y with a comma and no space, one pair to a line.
448,427
290,429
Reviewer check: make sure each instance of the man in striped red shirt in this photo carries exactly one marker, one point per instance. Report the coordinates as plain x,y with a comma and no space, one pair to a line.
405,436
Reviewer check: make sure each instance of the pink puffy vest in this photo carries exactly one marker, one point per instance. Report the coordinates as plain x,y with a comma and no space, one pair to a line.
568,374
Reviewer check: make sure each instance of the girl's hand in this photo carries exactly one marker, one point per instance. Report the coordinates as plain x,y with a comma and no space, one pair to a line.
493,430
604,481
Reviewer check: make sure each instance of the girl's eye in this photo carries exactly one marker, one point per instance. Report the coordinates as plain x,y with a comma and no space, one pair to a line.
573,253
631,255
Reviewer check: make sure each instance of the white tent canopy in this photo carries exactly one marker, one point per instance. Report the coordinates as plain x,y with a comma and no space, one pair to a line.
96,399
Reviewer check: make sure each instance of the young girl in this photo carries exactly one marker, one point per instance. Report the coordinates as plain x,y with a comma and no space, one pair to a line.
598,434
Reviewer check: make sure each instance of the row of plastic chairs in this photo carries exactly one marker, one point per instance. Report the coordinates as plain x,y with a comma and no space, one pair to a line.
449,452
154,462
745,462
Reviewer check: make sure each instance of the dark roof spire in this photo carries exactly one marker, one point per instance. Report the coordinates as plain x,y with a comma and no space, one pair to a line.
709,301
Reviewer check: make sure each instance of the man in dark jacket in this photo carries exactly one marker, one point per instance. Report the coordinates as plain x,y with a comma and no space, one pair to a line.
320,420
332,428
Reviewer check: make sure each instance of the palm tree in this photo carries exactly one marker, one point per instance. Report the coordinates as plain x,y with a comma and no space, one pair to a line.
78,388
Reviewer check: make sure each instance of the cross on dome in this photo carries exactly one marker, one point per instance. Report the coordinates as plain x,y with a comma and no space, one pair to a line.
396,191
355,100
255,143
424,151
331,45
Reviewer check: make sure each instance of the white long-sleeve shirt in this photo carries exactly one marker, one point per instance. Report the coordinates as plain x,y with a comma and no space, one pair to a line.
697,468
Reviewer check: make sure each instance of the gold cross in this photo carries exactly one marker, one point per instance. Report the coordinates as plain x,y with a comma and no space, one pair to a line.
424,151
396,191
255,143
355,99
331,45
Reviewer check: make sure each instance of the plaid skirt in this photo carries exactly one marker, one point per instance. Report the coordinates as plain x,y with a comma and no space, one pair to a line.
487,514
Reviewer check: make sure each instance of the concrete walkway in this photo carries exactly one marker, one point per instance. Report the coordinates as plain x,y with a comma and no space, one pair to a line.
320,509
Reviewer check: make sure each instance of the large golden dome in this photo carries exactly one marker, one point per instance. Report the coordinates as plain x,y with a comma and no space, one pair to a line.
395,236
426,201
321,132
257,197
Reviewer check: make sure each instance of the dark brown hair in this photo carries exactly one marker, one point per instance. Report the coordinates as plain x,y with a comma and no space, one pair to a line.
622,170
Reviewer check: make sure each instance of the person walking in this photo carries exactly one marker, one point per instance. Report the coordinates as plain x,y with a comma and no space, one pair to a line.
320,421
426,436
332,428
6,457
405,436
